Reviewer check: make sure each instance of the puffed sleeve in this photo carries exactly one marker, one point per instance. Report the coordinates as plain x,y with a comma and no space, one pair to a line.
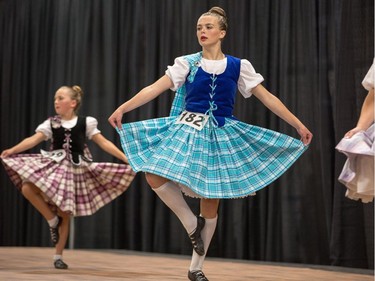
91,127
178,72
368,81
45,128
249,78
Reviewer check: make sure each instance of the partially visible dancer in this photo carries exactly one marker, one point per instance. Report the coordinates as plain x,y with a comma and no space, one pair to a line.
202,149
64,181
358,145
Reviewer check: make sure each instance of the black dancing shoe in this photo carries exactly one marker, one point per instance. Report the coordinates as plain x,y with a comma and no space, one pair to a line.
59,264
196,239
54,231
197,276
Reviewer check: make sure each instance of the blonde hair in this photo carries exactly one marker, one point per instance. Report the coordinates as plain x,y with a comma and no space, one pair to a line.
76,93
220,14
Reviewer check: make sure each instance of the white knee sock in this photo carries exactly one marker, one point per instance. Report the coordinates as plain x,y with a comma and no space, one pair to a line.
207,234
170,193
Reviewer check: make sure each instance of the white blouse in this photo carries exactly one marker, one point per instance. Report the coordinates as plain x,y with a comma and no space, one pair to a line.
368,81
248,79
91,127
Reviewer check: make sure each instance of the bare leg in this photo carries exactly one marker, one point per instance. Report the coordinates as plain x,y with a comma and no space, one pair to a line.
155,181
209,208
59,247
64,232
34,195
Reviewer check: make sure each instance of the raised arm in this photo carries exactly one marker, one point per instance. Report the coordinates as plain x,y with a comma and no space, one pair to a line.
277,107
142,97
25,144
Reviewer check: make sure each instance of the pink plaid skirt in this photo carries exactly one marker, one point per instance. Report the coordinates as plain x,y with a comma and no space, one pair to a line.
80,190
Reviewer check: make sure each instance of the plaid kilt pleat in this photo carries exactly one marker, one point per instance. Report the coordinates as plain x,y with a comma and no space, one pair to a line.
79,190
358,171
231,161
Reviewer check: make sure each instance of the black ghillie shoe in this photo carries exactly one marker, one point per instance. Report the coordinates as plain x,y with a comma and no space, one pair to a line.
196,239
197,276
59,264
54,231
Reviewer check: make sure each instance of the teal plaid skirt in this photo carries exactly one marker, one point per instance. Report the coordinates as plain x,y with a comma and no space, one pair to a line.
231,161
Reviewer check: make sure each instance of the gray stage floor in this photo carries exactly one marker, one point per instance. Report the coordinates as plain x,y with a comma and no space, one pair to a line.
24,263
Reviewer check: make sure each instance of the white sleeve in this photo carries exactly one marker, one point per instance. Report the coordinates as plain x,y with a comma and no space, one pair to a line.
45,128
91,127
178,72
368,81
249,78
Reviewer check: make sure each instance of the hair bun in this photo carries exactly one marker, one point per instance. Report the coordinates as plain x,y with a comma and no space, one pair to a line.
218,10
78,90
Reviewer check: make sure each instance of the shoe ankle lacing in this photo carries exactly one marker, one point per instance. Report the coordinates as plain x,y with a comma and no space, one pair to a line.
53,232
196,235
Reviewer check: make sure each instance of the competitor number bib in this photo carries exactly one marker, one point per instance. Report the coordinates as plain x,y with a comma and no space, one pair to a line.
193,119
56,155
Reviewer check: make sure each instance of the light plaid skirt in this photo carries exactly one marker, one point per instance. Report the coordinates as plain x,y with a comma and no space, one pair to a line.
79,190
231,161
358,172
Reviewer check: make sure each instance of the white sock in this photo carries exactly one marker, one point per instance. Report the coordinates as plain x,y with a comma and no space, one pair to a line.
207,234
170,193
53,222
57,257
